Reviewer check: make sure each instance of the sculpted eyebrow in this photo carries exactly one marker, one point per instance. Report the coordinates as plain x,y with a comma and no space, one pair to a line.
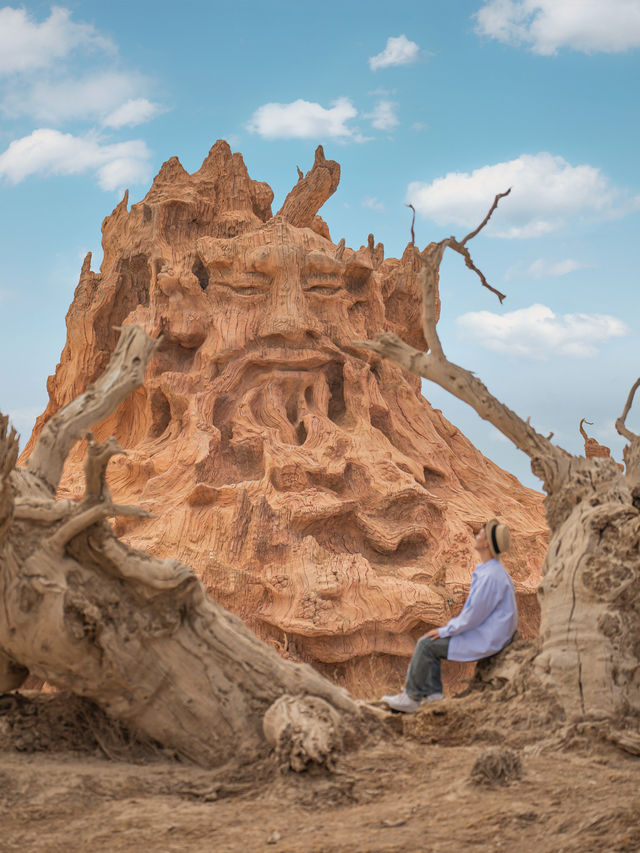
320,263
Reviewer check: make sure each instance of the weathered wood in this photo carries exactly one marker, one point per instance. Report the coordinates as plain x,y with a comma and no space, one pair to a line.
125,372
549,461
310,193
137,635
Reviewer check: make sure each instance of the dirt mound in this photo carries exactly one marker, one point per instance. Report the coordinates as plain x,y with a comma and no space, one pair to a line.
31,721
496,766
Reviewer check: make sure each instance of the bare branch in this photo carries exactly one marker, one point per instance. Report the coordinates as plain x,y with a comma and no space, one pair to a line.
8,447
487,217
620,423
95,466
550,462
413,222
583,432
87,517
464,385
428,278
123,374
147,570
42,510
75,525
462,250
8,459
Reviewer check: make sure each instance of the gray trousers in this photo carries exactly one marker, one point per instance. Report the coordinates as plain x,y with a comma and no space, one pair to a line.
424,674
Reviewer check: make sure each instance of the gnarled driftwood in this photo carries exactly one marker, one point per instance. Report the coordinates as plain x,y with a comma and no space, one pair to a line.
138,635
590,621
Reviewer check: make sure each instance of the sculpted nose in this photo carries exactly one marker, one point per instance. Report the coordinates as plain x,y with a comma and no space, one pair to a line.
289,312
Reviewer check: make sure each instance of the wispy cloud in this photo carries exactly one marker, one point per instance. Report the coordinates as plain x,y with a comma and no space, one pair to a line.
306,120
26,45
541,268
132,113
372,203
536,332
546,192
383,116
91,97
545,26
398,51
44,78
50,152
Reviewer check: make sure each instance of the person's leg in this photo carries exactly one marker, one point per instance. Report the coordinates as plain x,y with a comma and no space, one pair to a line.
424,673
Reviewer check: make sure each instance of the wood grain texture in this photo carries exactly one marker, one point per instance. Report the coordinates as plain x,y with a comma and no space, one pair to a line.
310,486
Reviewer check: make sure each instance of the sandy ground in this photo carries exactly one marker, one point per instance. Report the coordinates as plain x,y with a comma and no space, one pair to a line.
412,787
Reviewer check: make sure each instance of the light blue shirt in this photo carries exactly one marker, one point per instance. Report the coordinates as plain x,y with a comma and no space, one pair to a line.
489,617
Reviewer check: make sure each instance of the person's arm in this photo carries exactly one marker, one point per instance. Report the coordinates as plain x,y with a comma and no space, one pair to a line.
481,602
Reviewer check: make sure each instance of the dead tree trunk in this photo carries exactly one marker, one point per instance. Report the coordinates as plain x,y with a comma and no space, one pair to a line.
138,635
590,630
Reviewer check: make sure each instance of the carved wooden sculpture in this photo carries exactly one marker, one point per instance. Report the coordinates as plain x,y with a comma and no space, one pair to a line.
315,495
590,619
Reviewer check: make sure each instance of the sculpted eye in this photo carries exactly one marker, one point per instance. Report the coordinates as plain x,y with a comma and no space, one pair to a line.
324,284
246,283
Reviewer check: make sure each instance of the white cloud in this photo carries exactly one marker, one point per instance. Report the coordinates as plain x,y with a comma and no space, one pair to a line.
545,26
398,51
546,192
544,269
88,97
26,45
305,120
536,332
49,152
372,203
132,113
384,115
65,91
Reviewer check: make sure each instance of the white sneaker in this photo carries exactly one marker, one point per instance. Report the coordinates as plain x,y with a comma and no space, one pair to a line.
433,697
402,702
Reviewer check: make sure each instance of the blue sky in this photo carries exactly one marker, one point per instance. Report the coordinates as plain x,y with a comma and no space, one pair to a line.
440,102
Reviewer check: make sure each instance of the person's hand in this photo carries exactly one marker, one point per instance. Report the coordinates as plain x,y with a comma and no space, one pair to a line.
433,634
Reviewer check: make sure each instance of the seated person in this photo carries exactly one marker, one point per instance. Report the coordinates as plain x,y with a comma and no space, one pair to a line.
485,625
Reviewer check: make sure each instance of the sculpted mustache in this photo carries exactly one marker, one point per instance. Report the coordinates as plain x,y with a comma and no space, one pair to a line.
276,354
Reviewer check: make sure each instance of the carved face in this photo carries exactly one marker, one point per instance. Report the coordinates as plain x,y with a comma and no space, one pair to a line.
282,310
295,457
282,285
